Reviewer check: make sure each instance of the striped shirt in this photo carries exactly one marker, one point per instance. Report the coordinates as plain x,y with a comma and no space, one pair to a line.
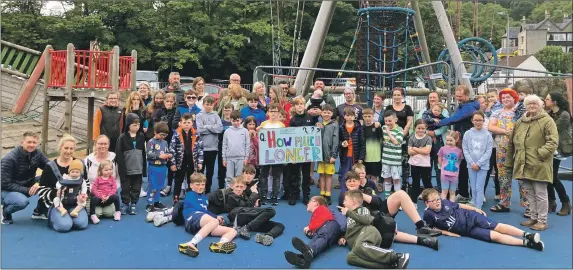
392,153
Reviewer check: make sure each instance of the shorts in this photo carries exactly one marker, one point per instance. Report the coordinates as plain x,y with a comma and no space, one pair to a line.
381,205
193,223
393,172
325,168
449,182
482,227
373,168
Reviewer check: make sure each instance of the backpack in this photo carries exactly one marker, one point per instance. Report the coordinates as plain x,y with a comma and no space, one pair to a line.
217,201
177,214
386,225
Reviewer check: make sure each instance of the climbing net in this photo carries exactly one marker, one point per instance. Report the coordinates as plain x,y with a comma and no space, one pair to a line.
475,52
387,42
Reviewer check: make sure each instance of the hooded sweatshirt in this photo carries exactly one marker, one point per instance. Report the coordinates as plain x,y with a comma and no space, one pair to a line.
461,119
209,126
477,145
236,143
258,113
131,158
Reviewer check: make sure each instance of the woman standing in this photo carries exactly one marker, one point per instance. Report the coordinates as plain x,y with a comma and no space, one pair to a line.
529,155
501,124
556,105
405,116
144,90
199,86
108,119
235,97
263,100
53,173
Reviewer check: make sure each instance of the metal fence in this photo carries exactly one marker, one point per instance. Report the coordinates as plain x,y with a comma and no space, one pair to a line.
336,80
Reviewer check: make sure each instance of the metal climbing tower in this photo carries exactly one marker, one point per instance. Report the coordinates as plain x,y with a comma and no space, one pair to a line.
387,42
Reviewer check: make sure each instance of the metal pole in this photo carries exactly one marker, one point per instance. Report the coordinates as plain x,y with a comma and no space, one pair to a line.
451,42
314,46
507,53
422,38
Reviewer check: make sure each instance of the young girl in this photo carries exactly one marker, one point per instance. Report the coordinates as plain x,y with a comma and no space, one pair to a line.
166,115
104,191
153,113
419,148
251,125
477,146
449,159
134,104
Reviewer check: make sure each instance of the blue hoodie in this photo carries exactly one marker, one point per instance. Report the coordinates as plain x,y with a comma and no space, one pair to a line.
477,145
461,119
182,110
258,113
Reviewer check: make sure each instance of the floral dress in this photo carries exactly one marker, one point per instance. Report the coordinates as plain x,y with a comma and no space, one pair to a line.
505,120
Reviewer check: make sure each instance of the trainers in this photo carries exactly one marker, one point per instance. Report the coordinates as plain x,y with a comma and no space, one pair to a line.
297,260
165,192
403,260
539,226
123,208
117,216
274,201
94,218
264,239
535,245
528,222
226,248
132,209
328,200
159,220
159,206
149,208
189,250
244,232
306,251
533,237
428,231
431,242
150,217
142,193
7,219
39,216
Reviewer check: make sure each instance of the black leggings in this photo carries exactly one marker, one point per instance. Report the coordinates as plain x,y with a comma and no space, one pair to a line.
209,166
492,166
419,172
557,185
95,202
259,220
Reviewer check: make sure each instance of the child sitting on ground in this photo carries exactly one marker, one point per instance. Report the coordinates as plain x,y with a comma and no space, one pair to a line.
74,177
200,222
104,191
323,231
463,220
364,239
246,216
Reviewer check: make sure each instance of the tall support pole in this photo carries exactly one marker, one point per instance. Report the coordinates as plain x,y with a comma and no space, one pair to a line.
133,70
422,38
68,94
46,102
451,43
115,69
91,104
314,46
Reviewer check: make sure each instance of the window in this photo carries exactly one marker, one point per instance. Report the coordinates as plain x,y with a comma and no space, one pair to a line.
570,37
570,49
564,49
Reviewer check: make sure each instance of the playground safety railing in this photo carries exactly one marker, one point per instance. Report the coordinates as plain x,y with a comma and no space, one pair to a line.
18,60
336,80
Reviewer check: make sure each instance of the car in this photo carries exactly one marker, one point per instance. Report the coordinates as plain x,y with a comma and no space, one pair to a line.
147,76
211,89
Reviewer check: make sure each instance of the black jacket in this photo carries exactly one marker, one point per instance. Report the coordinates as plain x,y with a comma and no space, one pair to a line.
358,142
125,143
303,120
235,203
19,169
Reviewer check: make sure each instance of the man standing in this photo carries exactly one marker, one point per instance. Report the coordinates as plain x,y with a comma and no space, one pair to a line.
19,181
233,79
175,87
461,119
327,99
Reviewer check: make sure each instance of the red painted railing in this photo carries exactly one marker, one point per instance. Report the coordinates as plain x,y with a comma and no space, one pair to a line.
92,70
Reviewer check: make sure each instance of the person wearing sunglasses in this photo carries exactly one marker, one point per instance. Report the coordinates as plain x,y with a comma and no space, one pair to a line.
189,106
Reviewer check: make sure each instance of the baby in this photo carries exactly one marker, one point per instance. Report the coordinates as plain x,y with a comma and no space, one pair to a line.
72,189
433,116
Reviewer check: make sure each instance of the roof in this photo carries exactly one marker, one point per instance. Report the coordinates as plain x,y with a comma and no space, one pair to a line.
546,24
513,61
565,22
513,32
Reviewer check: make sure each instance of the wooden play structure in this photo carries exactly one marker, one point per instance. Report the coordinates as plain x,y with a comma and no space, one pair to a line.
73,74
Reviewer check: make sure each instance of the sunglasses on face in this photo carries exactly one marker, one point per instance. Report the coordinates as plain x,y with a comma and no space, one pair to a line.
191,97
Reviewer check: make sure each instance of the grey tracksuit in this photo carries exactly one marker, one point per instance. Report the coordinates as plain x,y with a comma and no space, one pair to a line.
236,145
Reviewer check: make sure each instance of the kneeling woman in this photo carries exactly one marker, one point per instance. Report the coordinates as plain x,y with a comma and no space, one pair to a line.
51,175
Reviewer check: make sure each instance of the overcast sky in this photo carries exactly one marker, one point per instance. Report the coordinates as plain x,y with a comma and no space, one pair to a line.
54,7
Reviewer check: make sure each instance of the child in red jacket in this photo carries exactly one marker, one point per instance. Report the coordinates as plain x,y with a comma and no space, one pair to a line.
104,191
323,230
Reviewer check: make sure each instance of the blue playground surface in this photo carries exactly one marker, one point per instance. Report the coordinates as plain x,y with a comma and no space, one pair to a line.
132,243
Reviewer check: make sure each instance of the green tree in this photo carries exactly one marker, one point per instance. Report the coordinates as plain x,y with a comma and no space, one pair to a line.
555,60
556,10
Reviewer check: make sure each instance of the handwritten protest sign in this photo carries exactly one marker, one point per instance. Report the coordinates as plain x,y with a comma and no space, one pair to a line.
289,145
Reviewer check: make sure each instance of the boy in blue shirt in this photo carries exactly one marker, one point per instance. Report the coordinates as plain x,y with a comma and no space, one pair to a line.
457,220
189,106
253,110
201,222
158,154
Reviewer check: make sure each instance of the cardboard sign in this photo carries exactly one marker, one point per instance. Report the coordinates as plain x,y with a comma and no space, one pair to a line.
289,145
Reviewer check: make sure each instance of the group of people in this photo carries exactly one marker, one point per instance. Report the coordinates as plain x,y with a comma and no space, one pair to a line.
170,136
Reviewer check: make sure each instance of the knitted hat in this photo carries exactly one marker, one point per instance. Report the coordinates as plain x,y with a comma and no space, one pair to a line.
76,165
510,92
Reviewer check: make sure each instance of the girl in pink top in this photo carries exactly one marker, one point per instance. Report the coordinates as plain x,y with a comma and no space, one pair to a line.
449,158
104,191
419,148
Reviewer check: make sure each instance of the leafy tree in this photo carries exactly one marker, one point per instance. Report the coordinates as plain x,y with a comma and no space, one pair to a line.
555,60
556,10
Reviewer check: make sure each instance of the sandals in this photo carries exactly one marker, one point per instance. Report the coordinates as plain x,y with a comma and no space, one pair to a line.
498,208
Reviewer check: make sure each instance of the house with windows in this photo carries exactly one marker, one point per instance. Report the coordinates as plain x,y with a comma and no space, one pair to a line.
534,37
